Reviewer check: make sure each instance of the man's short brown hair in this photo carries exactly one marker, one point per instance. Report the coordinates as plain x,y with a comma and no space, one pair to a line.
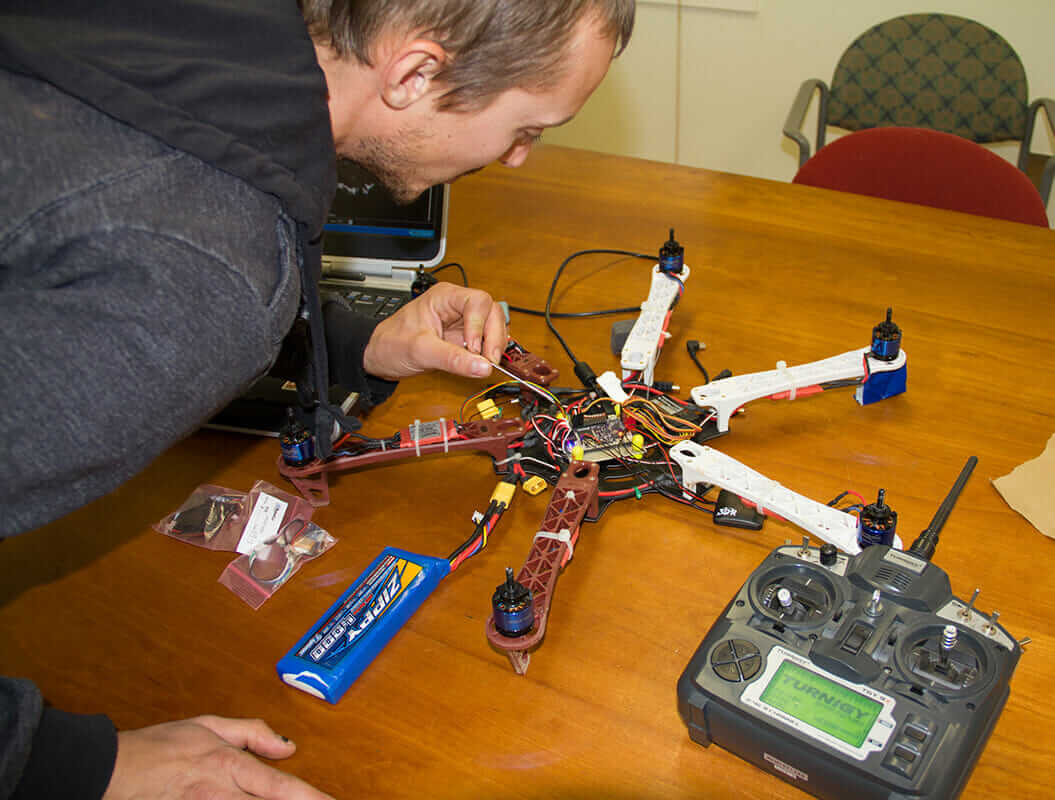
494,45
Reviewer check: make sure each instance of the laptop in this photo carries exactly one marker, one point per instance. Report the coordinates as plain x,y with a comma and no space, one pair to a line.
372,251
374,247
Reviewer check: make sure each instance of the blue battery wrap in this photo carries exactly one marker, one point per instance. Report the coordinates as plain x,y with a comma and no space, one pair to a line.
343,641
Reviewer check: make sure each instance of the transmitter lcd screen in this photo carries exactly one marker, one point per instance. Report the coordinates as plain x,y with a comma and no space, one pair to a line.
366,222
821,703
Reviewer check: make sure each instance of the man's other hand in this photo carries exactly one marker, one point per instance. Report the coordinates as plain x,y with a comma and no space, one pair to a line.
448,328
204,757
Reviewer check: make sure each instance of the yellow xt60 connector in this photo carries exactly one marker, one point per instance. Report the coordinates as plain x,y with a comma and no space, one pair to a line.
534,485
488,409
503,493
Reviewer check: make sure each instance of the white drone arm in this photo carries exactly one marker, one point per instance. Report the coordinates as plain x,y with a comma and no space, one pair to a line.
641,349
701,464
728,394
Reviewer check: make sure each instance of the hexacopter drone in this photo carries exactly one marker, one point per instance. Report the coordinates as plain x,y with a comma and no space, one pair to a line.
619,438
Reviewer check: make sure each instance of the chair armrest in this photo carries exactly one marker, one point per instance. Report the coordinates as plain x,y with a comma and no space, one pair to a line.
797,115
1046,179
1048,175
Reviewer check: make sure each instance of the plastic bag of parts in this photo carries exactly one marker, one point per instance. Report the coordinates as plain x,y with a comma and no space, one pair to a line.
212,517
272,512
256,576
224,519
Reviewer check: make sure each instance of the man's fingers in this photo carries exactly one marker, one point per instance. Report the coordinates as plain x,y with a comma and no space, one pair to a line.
472,324
249,734
482,321
433,353
259,780
449,328
496,336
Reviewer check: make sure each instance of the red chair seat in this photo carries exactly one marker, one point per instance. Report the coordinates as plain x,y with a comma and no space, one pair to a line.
917,165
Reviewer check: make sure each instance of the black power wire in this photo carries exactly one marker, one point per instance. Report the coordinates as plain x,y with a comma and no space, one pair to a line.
535,312
582,369
693,346
451,265
575,314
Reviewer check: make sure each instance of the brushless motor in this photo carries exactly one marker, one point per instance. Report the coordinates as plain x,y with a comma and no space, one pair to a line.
671,256
877,524
886,339
514,610
298,446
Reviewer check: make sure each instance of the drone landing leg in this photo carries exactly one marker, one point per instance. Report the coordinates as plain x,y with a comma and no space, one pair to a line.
520,660
313,485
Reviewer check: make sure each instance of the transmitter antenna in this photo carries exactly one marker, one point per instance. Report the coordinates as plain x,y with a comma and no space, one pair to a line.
927,541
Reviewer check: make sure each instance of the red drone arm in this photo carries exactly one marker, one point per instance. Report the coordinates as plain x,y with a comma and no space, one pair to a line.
527,365
574,495
493,437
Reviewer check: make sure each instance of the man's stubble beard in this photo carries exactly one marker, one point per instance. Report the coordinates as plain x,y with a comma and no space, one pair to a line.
389,160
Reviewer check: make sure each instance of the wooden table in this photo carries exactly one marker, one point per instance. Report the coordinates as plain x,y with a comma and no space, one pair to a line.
107,615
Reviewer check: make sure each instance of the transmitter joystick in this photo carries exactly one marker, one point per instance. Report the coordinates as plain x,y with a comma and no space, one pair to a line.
796,597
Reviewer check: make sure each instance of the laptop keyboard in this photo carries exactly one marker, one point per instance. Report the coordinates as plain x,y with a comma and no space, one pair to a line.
377,303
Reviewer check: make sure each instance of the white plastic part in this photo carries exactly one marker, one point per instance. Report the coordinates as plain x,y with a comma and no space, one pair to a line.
702,464
728,394
296,682
613,387
641,349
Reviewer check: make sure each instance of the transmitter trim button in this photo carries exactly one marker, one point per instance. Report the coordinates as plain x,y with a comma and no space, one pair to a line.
728,672
915,733
919,730
750,666
736,660
903,759
905,753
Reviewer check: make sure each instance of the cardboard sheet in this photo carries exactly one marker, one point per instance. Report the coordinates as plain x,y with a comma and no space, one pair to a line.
1028,490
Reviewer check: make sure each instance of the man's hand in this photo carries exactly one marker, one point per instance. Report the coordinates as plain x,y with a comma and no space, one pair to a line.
448,328
204,757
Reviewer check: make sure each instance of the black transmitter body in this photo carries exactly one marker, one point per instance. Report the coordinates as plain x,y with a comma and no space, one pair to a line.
851,676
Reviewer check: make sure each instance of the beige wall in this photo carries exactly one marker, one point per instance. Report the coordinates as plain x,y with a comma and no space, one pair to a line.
710,87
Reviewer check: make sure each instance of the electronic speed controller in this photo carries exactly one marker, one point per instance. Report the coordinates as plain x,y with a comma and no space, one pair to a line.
852,676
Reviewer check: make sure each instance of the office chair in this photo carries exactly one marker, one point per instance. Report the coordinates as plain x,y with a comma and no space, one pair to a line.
931,168
933,71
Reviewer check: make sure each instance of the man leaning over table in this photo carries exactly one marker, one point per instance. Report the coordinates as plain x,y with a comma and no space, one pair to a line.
167,169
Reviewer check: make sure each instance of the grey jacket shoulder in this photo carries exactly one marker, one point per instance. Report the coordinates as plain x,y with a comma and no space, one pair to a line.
141,290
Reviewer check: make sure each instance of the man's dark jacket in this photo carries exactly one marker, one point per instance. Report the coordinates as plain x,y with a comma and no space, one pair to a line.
235,84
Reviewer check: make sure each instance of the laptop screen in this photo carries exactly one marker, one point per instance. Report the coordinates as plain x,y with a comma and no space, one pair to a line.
368,232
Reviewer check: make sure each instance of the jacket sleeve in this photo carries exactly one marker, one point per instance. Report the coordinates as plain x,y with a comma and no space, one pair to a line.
49,753
347,334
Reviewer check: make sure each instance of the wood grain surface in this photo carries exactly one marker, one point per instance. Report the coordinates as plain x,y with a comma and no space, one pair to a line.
109,616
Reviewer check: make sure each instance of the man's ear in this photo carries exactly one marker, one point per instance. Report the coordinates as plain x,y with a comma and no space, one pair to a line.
410,72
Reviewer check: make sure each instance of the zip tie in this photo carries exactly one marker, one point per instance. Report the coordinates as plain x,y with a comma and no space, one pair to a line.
782,368
564,535
417,438
443,424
